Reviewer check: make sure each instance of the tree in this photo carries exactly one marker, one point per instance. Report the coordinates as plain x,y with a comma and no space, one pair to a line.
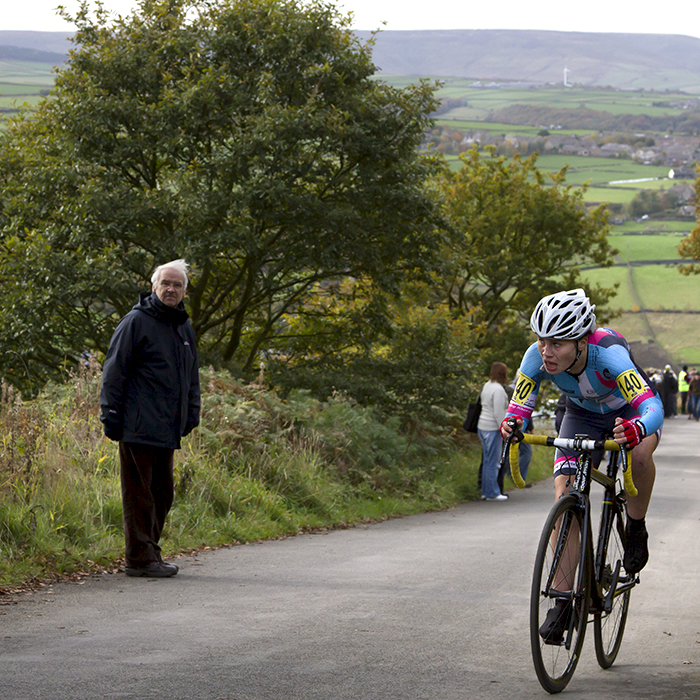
690,247
515,238
403,355
647,202
248,136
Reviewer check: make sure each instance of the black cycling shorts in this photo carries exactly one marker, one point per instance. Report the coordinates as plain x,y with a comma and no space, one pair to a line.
599,426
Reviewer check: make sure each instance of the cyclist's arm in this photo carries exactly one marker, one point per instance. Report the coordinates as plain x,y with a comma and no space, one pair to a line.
527,387
637,392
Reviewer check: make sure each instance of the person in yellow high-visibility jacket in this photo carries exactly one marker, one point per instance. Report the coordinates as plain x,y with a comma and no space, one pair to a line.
683,387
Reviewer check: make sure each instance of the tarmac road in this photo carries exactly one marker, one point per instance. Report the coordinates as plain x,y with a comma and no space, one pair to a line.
431,607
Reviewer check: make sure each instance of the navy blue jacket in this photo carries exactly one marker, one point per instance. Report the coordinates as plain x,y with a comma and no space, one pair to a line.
150,378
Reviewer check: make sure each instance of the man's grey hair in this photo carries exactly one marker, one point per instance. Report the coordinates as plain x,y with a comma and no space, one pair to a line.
179,265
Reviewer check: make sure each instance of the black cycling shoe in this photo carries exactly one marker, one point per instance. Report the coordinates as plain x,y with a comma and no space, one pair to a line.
636,547
557,622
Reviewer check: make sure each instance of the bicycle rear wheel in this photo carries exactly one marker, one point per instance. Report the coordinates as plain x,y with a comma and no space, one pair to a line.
557,566
609,627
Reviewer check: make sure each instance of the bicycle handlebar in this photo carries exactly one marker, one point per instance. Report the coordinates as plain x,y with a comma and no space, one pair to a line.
576,443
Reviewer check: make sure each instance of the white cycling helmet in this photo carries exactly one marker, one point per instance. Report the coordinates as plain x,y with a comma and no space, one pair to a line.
564,316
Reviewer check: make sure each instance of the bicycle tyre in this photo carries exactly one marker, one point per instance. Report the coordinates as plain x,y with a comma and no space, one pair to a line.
555,663
608,628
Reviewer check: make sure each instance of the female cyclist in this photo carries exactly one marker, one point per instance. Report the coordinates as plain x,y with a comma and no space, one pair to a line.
606,393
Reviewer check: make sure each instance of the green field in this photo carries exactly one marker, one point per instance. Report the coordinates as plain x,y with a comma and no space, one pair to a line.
677,333
611,180
482,100
657,304
23,82
498,128
599,171
14,102
38,75
646,246
624,301
661,287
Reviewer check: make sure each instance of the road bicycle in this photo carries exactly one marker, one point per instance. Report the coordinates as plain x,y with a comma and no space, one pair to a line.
578,572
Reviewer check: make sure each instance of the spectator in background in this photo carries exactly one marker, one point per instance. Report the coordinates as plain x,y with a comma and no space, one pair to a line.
683,388
494,401
694,394
656,377
559,412
669,392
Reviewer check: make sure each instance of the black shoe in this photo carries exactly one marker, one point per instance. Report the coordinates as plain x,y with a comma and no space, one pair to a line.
175,566
636,548
557,622
154,569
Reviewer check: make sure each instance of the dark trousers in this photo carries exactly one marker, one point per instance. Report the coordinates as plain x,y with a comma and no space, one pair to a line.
147,493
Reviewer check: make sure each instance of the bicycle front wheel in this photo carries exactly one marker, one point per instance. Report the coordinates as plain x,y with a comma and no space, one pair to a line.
558,604
608,627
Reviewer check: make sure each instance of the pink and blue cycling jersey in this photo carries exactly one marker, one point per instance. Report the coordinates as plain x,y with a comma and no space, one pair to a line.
609,383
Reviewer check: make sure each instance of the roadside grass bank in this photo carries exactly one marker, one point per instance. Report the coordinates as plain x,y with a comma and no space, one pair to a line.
258,467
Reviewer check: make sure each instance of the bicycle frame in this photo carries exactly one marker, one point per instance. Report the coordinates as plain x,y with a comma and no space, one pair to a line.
580,489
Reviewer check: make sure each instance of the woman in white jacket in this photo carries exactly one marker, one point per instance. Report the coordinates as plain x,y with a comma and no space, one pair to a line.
494,402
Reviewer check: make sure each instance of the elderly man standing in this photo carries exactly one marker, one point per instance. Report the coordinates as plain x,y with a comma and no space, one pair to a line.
150,399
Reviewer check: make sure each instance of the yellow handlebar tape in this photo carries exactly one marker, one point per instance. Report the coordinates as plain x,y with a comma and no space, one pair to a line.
515,465
629,484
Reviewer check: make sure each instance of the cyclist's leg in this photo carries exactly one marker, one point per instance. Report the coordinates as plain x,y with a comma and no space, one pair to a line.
564,473
644,474
573,543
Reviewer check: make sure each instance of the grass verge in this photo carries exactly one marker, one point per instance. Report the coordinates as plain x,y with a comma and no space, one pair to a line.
258,467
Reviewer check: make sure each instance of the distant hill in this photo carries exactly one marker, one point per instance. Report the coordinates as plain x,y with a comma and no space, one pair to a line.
52,42
15,53
649,61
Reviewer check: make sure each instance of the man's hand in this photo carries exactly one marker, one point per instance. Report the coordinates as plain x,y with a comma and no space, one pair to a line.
507,430
629,432
113,432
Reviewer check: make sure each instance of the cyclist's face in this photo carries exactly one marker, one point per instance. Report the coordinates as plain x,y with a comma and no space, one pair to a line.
557,355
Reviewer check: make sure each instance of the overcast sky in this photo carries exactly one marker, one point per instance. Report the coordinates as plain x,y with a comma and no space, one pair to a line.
680,17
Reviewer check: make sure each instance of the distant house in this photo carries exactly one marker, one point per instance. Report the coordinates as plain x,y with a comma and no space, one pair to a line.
682,193
611,150
682,174
646,155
